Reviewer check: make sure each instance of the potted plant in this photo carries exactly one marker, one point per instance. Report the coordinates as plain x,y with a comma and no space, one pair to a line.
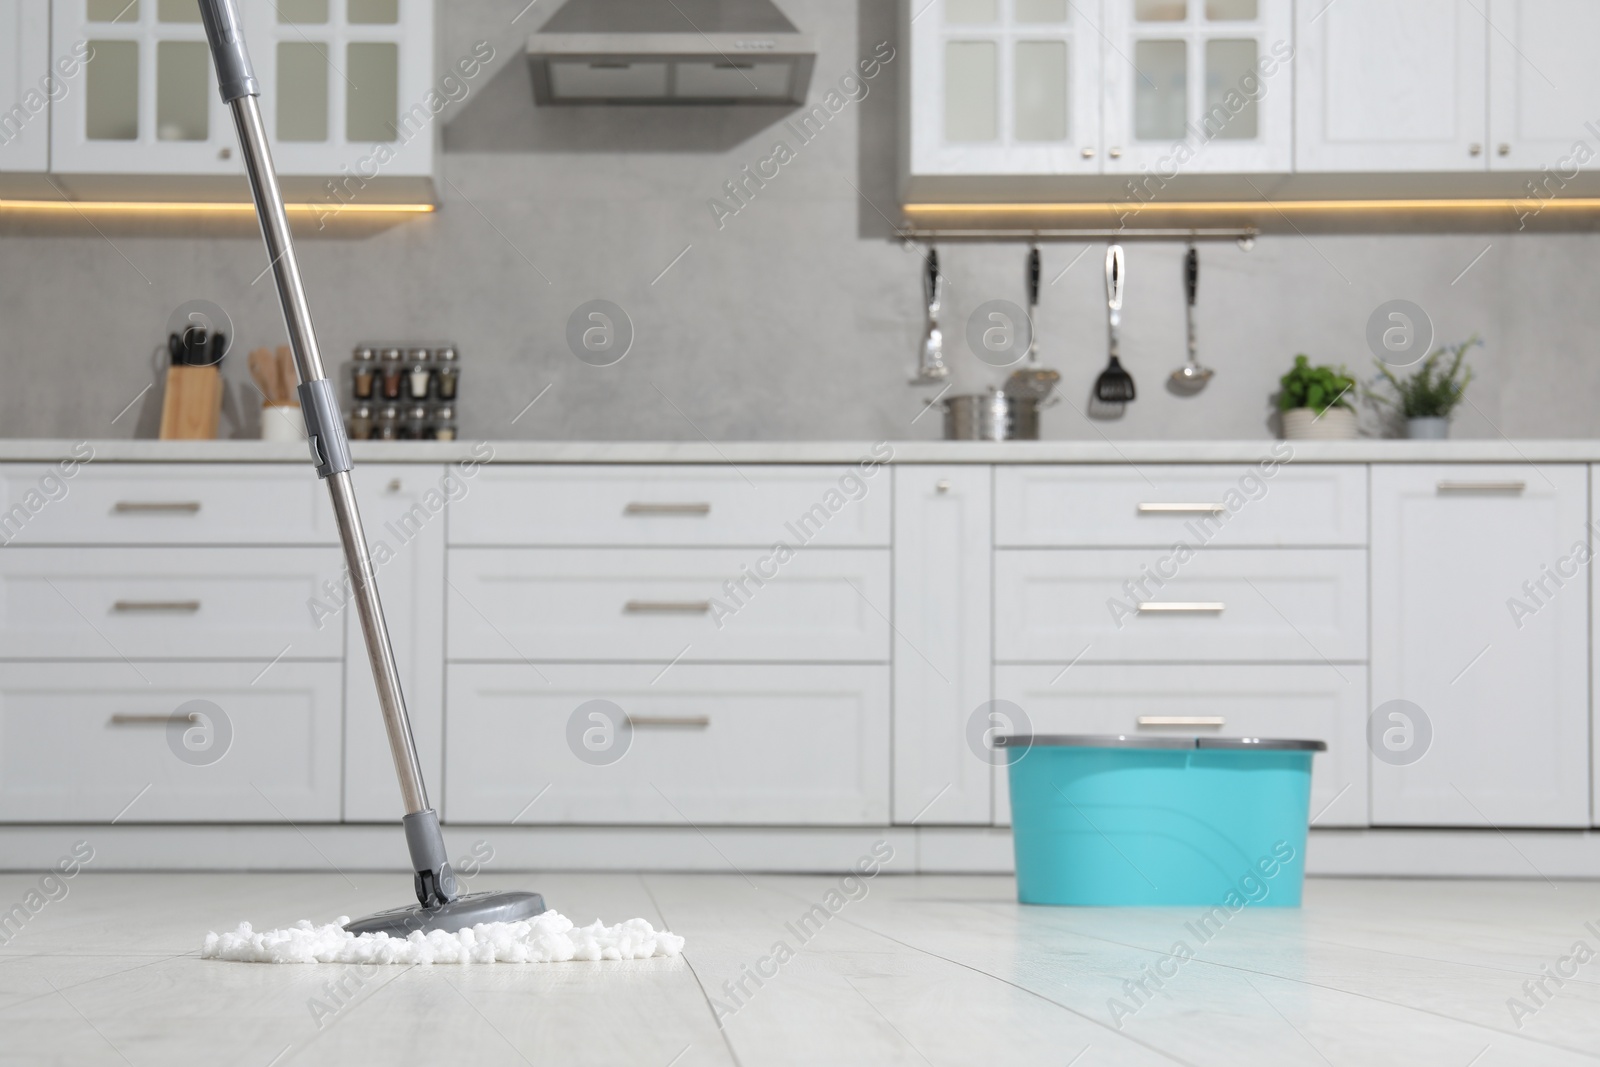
1314,402
1427,397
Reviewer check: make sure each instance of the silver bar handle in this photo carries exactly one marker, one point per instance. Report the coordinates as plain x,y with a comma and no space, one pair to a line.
1511,486
1181,607
694,721
128,607
1181,509
140,507
667,607
639,508
123,718
1181,720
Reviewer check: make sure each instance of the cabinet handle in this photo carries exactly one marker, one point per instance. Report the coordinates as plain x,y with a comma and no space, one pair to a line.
123,718
1482,487
693,721
132,606
1181,509
1181,720
667,509
1181,607
1475,150
1115,153
1088,153
135,507
667,607
1504,149
942,485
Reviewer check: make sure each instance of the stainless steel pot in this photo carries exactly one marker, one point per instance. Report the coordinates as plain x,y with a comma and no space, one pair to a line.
991,416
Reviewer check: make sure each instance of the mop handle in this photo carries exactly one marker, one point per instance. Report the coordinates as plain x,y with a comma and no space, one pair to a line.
330,448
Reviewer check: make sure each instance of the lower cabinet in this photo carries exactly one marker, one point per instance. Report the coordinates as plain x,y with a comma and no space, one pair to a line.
684,744
1323,702
97,742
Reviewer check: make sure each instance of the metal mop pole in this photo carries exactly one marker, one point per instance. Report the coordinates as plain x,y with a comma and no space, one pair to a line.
330,449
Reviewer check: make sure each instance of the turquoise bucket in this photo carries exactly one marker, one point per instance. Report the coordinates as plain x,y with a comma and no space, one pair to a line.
1115,821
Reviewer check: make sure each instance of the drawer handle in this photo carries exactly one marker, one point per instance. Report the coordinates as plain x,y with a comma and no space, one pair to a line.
667,607
180,606
1181,509
1181,720
667,509
138,507
123,718
1181,607
1482,487
694,721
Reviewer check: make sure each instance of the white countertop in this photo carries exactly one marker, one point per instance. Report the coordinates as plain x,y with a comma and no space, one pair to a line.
757,452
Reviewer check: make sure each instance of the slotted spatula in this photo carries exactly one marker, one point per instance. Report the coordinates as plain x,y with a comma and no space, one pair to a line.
1115,385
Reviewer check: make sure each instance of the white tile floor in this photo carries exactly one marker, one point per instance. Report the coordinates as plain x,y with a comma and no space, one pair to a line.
921,970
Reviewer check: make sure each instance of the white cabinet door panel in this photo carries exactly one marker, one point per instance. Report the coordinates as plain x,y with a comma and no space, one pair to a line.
1474,622
1544,86
25,85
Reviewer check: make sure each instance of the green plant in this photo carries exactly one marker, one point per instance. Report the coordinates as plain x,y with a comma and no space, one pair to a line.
1317,388
1429,393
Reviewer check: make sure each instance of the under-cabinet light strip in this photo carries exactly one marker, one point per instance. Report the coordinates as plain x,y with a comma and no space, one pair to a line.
164,207
1215,206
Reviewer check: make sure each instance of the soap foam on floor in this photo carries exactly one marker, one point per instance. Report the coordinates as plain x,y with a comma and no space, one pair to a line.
547,938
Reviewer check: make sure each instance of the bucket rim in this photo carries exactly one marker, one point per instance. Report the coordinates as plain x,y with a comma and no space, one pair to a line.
1275,744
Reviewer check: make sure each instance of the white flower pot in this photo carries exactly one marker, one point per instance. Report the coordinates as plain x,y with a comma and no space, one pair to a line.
1428,429
1304,424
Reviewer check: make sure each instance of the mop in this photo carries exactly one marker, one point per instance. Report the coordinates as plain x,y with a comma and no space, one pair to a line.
445,925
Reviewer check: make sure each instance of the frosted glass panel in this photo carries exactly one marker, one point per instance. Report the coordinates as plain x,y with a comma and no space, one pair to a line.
374,12
113,10
111,92
178,11
302,92
373,103
1041,91
183,91
971,97
1161,95
1160,10
1230,73
1230,10
302,12
966,12
1041,10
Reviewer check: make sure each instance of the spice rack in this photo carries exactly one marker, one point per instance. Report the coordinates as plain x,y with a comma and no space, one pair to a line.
403,392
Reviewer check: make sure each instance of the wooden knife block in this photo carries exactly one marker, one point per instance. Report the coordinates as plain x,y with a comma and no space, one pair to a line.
192,407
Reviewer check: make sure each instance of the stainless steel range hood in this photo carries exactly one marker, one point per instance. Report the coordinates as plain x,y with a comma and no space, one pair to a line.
670,52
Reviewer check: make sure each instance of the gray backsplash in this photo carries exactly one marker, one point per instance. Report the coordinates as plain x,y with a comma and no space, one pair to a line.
796,319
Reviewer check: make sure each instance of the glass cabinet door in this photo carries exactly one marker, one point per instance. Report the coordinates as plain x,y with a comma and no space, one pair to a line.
1004,87
1198,86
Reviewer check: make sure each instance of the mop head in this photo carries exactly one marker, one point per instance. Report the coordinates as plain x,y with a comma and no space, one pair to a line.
546,938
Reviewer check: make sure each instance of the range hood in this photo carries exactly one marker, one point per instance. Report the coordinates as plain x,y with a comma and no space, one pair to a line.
670,52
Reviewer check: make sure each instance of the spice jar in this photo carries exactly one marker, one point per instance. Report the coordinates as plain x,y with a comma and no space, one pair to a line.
415,427
418,373
444,422
361,422
388,423
393,373
448,372
366,373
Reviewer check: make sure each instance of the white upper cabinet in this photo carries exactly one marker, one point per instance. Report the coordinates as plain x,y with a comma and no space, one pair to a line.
344,83
1004,87
1198,86
1544,84
26,84
1385,86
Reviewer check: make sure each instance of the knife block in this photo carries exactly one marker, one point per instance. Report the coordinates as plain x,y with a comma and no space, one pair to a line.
192,407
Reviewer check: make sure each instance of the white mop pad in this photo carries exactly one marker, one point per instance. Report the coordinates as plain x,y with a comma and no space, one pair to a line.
546,938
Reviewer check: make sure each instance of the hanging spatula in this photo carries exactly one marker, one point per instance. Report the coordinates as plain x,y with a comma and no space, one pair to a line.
1115,385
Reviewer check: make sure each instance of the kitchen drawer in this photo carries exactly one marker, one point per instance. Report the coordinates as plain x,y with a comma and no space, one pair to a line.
62,759
824,604
168,603
800,745
1240,604
1318,703
715,505
1158,506
165,504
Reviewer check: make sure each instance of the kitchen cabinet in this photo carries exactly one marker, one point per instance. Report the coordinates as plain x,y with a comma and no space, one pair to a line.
942,611
25,85
1544,86
1004,87
1479,619
1382,86
340,79
1198,86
